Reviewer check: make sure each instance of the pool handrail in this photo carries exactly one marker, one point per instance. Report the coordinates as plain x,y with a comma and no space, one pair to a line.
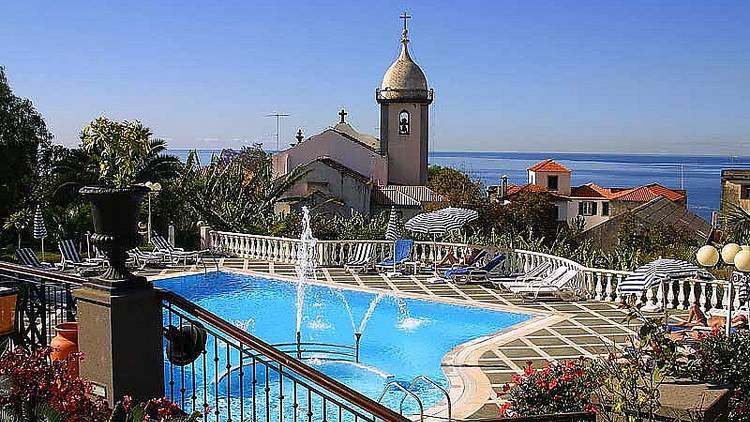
427,379
407,392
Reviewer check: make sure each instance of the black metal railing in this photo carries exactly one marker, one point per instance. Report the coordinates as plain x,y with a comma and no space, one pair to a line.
45,299
236,376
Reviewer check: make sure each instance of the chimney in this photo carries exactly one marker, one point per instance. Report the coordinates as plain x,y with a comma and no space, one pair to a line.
504,187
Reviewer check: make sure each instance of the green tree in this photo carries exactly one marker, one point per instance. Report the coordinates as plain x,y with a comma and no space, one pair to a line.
235,191
23,133
455,186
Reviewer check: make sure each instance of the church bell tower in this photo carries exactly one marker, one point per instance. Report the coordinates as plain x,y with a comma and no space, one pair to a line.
404,99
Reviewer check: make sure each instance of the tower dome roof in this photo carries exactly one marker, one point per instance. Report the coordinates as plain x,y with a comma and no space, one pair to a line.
404,79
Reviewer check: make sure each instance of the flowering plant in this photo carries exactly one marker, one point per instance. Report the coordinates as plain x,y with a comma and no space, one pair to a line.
33,387
559,387
31,379
156,410
725,361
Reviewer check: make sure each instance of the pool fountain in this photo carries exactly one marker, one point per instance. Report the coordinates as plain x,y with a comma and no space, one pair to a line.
305,269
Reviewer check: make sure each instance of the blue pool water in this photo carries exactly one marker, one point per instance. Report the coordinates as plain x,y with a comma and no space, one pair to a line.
402,339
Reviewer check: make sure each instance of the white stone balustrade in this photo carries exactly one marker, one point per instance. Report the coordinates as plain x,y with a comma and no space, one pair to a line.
597,283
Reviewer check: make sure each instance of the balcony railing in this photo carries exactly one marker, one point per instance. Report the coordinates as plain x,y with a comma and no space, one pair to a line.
598,284
237,376
44,300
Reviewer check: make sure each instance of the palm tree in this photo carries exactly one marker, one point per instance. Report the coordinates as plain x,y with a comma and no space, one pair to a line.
78,168
737,222
236,191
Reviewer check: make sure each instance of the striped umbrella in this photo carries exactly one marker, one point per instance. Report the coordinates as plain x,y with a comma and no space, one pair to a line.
656,272
392,231
40,230
441,221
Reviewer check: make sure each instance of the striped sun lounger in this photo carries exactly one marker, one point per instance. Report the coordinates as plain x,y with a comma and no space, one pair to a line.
71,257
26,256
360,259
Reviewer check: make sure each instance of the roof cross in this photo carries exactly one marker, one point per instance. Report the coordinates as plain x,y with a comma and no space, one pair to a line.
405,16
343,114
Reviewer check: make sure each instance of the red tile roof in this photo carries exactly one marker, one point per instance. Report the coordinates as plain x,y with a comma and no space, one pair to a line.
549,165
646,193
515,189
590,190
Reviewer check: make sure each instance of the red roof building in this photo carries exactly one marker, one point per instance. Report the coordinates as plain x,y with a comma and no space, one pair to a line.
593,203
549,166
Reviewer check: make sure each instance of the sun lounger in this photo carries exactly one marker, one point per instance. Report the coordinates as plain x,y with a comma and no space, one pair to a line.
360,258
71,257
175,255
402,252
555,287
524,281
26,256
144,259
535,273
472,274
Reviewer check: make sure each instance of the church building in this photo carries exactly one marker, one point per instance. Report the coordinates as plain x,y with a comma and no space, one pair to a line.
352,171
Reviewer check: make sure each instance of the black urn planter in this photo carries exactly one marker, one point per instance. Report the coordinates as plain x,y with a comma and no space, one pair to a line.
115,212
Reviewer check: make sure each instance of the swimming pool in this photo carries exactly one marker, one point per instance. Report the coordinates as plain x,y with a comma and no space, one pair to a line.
401,337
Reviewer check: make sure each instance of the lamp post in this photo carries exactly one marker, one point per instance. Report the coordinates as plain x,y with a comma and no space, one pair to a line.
742,264
154,189
707,257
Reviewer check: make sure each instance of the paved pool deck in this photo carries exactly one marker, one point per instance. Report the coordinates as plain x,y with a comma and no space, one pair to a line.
478,370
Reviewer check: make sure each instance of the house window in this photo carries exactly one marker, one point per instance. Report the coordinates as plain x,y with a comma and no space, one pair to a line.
552,182
605,208
587,208
403,123
745,192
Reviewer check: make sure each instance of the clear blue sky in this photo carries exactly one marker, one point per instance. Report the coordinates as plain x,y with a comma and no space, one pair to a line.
609,76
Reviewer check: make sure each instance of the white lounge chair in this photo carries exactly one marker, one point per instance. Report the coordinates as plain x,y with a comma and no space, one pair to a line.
143,259
555,287
526,280
360,258
175,255
536,272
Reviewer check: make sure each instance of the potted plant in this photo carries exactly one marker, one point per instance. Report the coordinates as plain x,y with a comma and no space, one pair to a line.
119,148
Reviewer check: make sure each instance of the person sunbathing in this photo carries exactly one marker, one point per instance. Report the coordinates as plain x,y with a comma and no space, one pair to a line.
449,259
695,317
716,323
719,322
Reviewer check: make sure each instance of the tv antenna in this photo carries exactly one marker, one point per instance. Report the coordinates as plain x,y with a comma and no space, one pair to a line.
278,117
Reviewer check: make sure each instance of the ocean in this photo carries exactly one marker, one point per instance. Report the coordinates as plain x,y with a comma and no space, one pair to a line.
700,175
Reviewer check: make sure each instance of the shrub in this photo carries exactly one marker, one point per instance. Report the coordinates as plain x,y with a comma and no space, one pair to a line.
34,388
559,387
31,379
725,361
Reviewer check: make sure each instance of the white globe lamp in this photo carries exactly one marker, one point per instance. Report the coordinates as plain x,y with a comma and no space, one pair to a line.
707,256
729,251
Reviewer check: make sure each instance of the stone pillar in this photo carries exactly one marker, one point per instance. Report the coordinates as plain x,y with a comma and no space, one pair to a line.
205,235
120,334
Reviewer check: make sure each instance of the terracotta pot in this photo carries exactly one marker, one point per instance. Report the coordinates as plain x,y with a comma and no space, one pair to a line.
65,342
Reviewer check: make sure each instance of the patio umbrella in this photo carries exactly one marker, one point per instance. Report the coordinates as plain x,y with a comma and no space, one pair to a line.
392,230
441,221
40,230
655,272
